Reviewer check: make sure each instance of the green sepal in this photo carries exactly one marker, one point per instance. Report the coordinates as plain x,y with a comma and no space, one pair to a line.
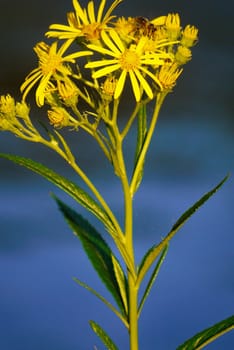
207,336
154,252
141,134
66,185
152,279
107,341
97,250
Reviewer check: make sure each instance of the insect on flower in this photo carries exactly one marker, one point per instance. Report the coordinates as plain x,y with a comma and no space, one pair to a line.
143,26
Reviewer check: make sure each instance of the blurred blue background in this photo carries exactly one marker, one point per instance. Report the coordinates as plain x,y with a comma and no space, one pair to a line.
41,307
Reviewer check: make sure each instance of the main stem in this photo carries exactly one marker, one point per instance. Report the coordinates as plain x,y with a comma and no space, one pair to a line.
132,288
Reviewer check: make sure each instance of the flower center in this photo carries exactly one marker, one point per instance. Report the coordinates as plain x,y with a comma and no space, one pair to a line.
129,60
51,64
92,31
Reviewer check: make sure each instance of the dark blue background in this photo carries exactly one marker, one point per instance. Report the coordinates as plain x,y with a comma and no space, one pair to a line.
40,306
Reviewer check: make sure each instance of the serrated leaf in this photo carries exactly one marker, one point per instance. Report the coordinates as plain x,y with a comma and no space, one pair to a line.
141,134
97,250
154,252
152,279
122,282
107,341
66,185
207,336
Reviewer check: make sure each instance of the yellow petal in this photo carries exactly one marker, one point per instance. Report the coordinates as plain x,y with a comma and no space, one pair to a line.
114,35
120,84
101,63
91,12
100,10
135,86
110,43
101,50
159,21
105,71
80,12
144,84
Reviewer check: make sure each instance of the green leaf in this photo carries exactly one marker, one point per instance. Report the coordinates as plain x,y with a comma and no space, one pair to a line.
107,341
207,336
152,279
141,134
96,249
106,302
154,252
66,185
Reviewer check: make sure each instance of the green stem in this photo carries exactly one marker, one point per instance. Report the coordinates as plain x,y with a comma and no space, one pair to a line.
141,159
132,288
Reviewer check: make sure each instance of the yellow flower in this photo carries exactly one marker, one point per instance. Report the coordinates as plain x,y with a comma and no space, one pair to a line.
108,87
58,117
83,22
172,24
168,74
125,27
131,61
68,92
51,62
7,106
190,36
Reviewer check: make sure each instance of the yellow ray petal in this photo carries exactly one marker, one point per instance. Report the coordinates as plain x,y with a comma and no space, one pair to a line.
80,12
115,37
120,84
111,9
27,86
135,85
105,71
91,12
101,50
152,76
40,92
110,43
144,84
100,10
101,63
159,21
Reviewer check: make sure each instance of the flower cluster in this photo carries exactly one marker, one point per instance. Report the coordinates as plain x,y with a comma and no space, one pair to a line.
110,50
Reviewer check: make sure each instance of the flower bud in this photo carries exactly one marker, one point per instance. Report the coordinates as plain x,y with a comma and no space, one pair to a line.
108,88
7,106
172,24
183,55
190,36
68,92
22,110
168,75
58,117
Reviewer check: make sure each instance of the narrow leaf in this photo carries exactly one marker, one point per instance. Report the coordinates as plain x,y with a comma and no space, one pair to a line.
154,252
141,134
106,302
107,341
207,336
122,282
152,279
66,185
96,249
